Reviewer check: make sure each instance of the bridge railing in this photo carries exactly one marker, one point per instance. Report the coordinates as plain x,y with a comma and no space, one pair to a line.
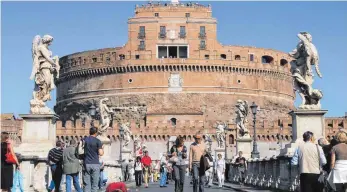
269,173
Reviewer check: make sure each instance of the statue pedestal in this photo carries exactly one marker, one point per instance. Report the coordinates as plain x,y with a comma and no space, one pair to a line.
38,137
244,145
127,154
305,120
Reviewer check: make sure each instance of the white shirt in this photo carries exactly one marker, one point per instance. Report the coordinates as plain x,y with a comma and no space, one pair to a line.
138,166
220,164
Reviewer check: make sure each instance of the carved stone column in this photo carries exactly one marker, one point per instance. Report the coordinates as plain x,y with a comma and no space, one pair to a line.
41,176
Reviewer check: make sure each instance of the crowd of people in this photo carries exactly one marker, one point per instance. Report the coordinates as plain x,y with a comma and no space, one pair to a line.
322,167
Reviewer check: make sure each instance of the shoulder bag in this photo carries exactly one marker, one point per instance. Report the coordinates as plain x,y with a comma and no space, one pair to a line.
9,156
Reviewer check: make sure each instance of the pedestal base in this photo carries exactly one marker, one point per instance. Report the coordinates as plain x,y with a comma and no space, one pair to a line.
305,120
244,145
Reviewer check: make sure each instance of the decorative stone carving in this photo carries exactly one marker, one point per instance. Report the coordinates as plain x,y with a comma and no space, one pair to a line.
207,139
40,176
45,70
220,133
241,117
175,80
105,119
305,55
127,135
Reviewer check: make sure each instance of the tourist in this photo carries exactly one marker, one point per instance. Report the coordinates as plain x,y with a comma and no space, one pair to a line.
138,171
179,155
71,166
7,167
101,177
124,169
220,168
241,164
310,157
117,187
92,150
197,150
338,175
131,171
209,174
146,163
55,160
163,170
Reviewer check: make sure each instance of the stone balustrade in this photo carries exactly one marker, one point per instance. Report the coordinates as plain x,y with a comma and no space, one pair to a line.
269,173
37,174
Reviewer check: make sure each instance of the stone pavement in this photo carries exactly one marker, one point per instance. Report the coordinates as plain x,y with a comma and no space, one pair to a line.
237,187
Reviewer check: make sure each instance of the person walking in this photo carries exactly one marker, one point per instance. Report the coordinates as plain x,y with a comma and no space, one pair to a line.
138,171
179,155
71,166
92,150
124,169
338,175
146,163
220,168
197,150
55,160
241,164
163,170
310,157
7,167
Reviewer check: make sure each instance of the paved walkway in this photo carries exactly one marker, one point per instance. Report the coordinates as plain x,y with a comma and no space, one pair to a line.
237,187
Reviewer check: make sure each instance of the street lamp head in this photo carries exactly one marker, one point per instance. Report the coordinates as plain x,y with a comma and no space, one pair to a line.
121,131
92,110
254,108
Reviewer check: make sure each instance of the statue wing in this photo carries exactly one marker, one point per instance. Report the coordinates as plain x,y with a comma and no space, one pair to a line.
34,51
246,108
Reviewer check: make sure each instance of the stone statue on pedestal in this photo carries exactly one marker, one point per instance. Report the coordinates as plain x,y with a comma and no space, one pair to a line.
127,135
241,117
220,133
45,70
105,119
305,55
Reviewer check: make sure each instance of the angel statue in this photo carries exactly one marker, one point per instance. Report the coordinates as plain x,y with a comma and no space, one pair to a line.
127,134
305,55
220,133
45,70
105,119
208,139
241,117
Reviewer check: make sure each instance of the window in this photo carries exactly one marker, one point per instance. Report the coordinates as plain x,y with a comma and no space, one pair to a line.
142,33
162,33
207,56
267,59
156,14
162,52
251,57
202,32
183,52
237,57
187,14
202,44
142,45
172,52
108,60
173,121
223,56
137,56
95,60
231,139
283,62
121,56
182,31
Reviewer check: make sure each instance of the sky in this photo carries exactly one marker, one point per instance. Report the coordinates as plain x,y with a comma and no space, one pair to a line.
81,26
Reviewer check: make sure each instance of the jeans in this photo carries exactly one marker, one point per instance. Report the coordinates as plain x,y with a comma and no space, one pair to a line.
57,173
101,179
197,179
241,171
138,178
179,173
91,176
163,177
76,182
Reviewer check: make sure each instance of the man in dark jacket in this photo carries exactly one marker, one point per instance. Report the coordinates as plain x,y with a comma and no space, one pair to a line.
71,166
55,157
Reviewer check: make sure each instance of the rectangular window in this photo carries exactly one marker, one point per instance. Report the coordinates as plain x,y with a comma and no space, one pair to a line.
251,57
156,14
162,29
142,29
202,29
183,52
202,44
142,45
187,14
207,56
182,31
142,32
137,56
162,52
173,52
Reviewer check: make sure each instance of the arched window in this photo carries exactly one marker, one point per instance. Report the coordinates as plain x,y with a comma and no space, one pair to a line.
237,57
267,59
231,139
173,121
283,62
223,56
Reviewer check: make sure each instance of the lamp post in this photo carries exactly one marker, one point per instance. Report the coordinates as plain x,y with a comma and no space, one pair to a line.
121,134
255,152
92,112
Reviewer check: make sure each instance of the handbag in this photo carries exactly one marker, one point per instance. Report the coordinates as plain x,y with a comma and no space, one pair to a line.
9,156
321,178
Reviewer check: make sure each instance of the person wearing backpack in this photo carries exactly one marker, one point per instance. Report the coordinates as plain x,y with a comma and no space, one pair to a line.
179,156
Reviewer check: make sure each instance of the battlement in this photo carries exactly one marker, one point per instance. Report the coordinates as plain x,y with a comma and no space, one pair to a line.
169,6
